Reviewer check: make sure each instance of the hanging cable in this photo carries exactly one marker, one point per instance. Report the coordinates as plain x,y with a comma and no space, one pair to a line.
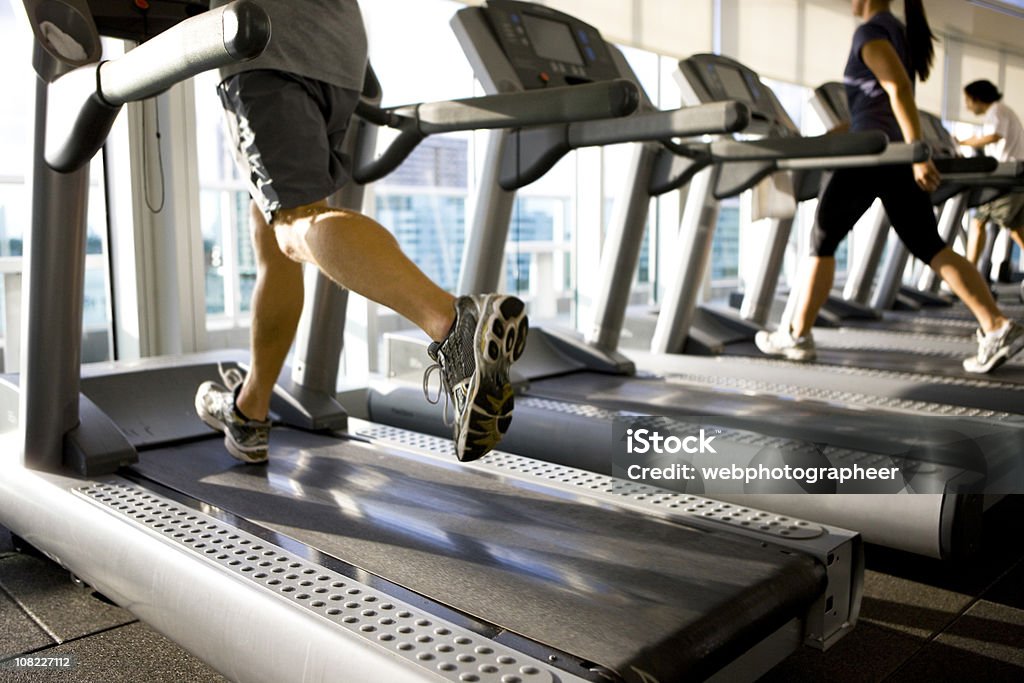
518,212
147,190
109,210
143,8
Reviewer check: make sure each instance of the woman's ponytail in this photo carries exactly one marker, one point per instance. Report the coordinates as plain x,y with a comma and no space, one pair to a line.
920,37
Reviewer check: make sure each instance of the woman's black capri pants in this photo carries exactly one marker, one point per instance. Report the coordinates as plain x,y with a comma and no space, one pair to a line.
852,190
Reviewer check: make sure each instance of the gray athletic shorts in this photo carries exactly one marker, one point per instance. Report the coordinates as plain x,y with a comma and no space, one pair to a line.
1006,211
287,131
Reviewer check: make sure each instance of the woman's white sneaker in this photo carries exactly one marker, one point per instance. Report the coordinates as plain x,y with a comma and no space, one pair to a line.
783,344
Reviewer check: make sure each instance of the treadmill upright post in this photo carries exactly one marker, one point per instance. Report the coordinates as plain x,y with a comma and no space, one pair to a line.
862,274
51,355
621,252
949,225
697,230
55,245
757,302
884,296
484,253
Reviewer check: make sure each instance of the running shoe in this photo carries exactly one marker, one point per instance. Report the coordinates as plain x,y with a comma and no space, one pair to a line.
996,348
245,439
782,343
489,334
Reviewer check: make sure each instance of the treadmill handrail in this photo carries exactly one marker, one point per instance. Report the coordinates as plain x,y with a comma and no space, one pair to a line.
967,165
830,145
897,153
981,172
609,99
232,33
704,119
1010,169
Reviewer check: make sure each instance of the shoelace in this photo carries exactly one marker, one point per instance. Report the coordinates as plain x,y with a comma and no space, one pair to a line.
444,390
231,376
987,344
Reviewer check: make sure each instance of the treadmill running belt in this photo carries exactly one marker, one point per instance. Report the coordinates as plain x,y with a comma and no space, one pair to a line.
629,593
941,365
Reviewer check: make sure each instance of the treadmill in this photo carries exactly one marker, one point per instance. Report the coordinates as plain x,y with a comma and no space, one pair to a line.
997,263
968,183
684,326
856,308
568,413
369,552
924,381
862,327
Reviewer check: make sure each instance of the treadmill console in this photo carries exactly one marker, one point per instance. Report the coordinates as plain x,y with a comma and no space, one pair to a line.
546,47
831,97
938,138
140,20
707,78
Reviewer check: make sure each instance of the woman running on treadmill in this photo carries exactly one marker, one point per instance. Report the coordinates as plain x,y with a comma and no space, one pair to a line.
885,59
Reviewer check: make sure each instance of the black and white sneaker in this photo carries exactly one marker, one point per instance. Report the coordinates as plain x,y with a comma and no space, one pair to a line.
489,334
996,348
245,439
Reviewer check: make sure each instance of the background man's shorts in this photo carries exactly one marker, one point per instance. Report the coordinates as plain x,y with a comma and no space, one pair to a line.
1007,211
287,131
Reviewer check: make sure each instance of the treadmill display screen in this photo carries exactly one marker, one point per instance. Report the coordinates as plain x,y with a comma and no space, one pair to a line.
734,84
552,40
939,132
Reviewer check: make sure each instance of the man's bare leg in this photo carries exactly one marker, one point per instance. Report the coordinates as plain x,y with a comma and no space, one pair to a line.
361,255
276,307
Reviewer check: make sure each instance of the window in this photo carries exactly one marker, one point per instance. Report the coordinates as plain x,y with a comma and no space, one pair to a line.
424,204
15,203
544,228
424,201
230,269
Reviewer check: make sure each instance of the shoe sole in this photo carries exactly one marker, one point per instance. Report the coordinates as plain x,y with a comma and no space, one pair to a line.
499,341
237,451
800,356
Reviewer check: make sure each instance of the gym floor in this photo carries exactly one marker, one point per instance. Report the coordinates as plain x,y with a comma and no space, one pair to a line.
920,620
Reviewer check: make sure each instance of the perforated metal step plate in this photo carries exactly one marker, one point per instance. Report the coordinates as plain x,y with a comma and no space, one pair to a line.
439,648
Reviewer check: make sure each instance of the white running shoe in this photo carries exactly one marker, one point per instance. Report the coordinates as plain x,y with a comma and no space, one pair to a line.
782,343
996,348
